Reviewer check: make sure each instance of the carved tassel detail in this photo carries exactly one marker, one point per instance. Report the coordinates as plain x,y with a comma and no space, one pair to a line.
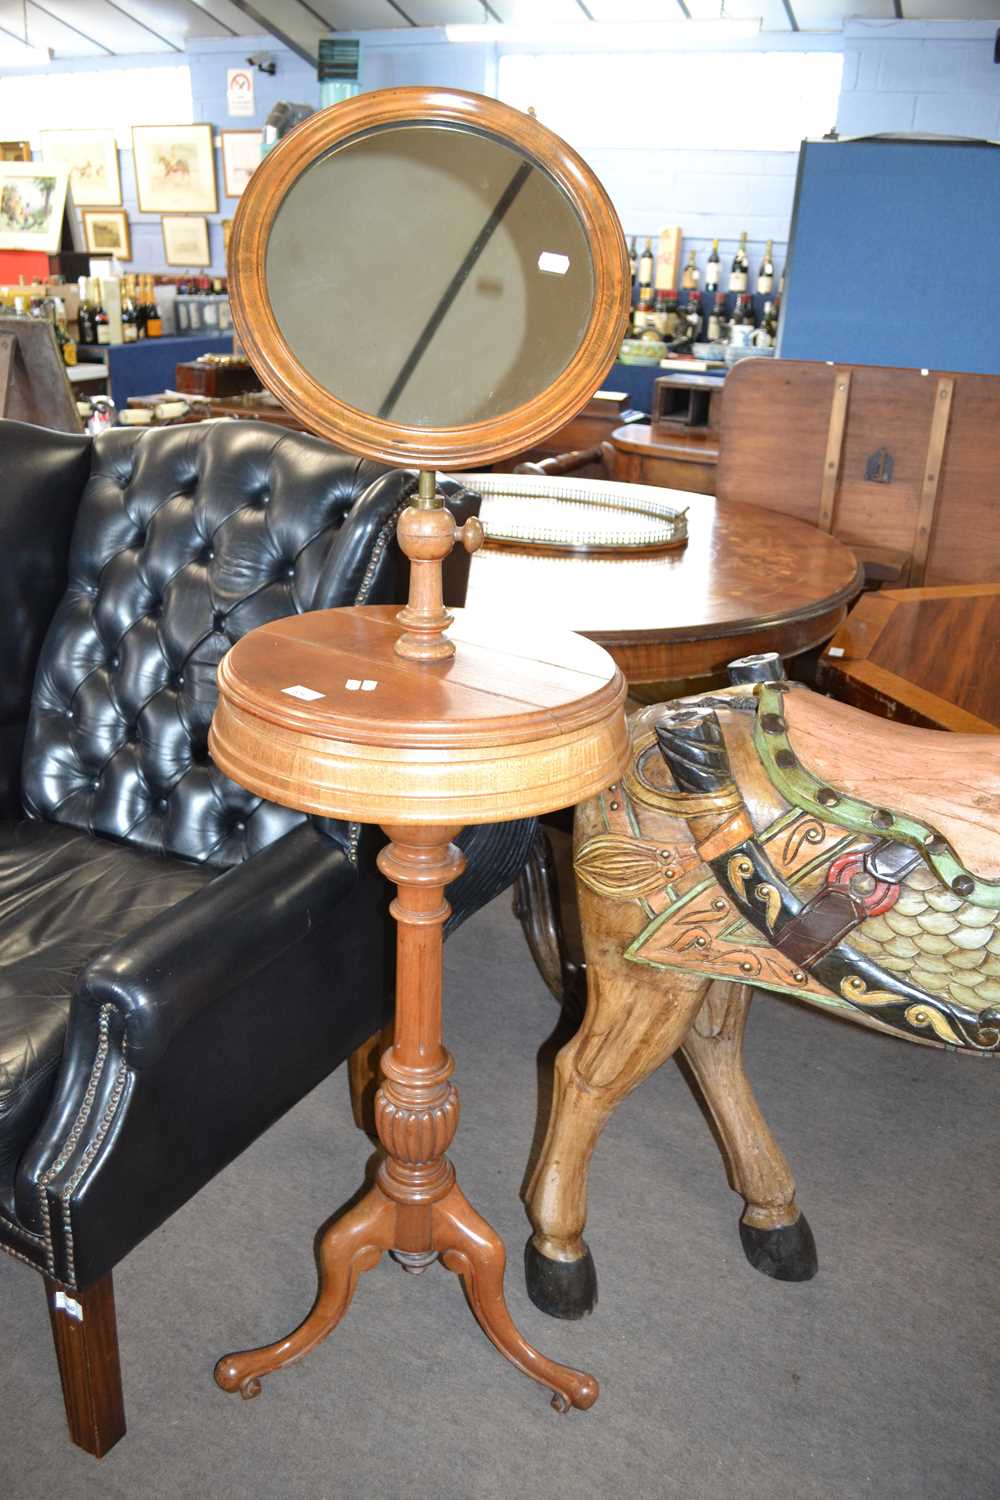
620,867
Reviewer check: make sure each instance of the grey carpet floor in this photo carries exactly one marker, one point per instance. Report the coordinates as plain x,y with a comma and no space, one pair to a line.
879,1378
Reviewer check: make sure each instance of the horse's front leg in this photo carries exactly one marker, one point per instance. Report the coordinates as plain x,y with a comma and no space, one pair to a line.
635,1019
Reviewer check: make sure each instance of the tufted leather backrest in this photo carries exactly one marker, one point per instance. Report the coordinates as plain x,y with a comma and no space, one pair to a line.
186,538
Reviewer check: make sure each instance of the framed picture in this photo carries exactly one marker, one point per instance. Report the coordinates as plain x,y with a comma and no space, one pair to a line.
240,154
91,159
32,204
15,150
185,241
106,232
174,169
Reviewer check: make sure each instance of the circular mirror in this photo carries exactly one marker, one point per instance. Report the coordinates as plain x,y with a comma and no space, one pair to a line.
428,277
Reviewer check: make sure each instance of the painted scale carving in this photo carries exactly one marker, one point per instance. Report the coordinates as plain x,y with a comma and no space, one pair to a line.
765,837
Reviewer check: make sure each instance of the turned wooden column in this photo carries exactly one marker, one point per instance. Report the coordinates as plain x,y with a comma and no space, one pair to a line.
416,1106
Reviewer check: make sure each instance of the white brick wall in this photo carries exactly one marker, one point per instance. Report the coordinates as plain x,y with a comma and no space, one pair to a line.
936,79
898,76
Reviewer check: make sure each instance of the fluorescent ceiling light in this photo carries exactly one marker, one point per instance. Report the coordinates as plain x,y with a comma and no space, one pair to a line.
640,36
14,54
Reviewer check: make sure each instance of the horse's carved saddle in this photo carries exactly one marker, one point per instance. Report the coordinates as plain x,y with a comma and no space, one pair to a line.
834,855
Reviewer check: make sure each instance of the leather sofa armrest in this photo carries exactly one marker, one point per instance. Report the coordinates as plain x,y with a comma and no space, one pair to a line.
216,939
192,1036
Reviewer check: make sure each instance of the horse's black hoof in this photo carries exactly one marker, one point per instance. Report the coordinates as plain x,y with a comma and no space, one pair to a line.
561,1288
786,1254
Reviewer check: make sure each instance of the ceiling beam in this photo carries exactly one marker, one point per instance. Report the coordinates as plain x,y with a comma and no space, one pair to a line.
400,11
204,11
304,44
70,27
585,10
792,18
135,19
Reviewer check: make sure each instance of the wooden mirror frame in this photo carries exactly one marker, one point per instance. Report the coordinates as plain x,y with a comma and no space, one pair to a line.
393,443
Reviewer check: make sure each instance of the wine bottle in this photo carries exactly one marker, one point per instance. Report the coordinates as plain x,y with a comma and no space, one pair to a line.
661,317
642,317
154,323
690,319
713,269
646,265
633,259
692,275
130,328
716,328
85,315
767,334
67,347
743,313
673,314
765,276
102,323
740,273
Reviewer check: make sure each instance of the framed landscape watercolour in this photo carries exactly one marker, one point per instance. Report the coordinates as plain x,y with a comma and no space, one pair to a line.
106,232
174,169
185,242
91,159
32,204
240,154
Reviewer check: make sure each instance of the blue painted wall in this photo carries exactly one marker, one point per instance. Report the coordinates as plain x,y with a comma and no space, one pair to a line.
295,80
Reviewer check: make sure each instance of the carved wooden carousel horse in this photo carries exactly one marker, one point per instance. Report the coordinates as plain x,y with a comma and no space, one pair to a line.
766,837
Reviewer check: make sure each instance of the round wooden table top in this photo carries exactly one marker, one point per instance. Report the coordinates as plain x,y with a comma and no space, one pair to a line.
748,580
319,713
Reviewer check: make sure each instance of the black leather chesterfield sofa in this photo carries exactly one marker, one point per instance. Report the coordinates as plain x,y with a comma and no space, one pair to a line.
180,962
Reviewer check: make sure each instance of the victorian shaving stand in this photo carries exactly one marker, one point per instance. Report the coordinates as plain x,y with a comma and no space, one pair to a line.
375,715
390,725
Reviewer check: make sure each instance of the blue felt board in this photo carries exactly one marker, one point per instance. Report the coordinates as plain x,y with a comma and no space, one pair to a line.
888,241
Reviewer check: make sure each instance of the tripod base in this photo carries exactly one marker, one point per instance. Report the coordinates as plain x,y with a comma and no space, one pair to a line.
465,1243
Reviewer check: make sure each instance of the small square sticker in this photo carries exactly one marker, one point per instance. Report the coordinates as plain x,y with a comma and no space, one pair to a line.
308,695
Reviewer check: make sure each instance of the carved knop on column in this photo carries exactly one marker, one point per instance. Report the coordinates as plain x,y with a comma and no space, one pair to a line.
416,1136
426,533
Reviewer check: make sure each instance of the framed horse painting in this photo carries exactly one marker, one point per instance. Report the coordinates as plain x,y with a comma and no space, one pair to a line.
174,169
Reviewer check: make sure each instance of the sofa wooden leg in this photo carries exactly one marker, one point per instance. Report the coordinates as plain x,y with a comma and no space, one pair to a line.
775,1235
364,1076
85,1332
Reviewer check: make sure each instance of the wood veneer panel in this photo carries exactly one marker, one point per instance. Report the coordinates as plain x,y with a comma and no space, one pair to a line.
773,438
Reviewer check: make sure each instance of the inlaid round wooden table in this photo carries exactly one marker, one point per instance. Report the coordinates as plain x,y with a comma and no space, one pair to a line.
748,580
319,712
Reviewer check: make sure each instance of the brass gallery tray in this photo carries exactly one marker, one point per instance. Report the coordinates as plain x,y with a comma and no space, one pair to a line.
538,513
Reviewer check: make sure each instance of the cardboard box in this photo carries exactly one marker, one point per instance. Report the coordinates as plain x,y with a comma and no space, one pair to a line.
668,260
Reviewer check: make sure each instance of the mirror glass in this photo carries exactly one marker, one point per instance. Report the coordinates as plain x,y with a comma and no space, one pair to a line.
430,275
